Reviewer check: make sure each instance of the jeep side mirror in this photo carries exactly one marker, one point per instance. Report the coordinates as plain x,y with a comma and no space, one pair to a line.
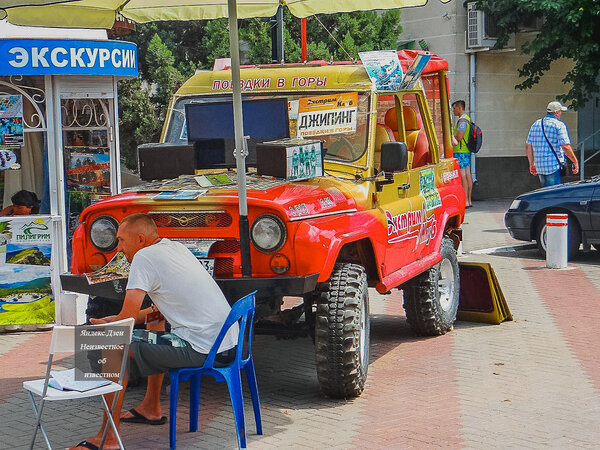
394,156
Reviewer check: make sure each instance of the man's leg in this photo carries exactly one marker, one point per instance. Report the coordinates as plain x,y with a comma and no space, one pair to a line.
469,188
150,407
465,175
110,442
551,179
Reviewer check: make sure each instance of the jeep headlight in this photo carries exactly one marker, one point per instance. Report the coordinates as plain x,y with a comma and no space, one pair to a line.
103,233
268,233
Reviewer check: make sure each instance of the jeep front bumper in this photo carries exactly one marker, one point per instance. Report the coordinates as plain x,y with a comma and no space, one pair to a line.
233,288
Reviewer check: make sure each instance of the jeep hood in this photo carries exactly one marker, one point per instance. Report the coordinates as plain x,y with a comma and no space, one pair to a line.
294,199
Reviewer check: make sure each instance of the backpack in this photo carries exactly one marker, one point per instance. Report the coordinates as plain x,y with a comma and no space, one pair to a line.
474,139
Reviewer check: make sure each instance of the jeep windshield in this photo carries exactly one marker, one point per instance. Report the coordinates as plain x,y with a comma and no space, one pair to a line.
338,119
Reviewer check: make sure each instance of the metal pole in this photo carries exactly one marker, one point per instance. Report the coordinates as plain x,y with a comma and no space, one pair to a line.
303,38
277,37
473,106
581,172
240,143
446,116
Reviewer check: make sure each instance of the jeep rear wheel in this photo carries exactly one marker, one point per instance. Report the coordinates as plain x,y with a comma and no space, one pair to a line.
342,332
431,299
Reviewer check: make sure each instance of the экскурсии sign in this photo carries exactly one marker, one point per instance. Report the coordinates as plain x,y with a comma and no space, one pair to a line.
66,57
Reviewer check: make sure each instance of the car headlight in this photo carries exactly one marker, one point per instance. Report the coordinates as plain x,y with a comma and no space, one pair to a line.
515,204
103,233
268,233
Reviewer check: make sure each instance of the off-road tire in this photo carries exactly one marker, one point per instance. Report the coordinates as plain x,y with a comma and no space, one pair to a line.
573,237
431,298
342,332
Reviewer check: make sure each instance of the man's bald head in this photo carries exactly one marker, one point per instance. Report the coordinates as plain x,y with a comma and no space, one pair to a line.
140,223
136,232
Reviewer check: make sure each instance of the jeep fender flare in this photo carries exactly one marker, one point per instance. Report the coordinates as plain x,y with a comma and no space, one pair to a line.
324,245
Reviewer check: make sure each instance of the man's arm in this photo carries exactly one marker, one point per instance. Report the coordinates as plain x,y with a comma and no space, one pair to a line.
571,155
460,129
131,308
529,152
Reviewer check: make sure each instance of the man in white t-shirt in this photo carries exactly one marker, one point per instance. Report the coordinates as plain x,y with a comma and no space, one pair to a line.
188,298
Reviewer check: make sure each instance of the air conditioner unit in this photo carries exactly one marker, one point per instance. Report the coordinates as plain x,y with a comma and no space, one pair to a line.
481,30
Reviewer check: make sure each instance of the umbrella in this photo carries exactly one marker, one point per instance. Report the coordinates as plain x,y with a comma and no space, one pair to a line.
102,14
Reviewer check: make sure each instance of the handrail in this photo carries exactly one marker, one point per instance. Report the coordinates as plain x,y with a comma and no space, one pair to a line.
581,145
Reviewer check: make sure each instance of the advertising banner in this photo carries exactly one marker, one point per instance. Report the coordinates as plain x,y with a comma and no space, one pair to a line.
11,130
413,74
327,114
25,256
384,69
67,57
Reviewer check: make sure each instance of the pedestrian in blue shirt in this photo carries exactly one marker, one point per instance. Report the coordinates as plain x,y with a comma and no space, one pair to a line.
547,146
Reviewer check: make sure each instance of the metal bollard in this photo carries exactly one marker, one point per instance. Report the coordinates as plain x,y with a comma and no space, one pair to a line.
557,249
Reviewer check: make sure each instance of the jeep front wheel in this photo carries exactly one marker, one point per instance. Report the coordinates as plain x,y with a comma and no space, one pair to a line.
431,299
342,332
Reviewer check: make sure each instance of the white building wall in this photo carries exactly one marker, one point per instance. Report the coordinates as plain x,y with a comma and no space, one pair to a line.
504,113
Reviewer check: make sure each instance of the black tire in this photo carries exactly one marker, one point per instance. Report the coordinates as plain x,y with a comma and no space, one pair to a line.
431,311
342,332
574,237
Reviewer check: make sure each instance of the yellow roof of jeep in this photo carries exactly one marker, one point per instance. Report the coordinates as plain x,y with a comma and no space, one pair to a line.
287,77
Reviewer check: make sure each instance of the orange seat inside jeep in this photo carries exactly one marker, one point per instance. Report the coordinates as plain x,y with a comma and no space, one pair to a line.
416,140
383,133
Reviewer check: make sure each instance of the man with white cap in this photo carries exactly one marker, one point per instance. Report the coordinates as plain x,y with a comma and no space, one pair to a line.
547,146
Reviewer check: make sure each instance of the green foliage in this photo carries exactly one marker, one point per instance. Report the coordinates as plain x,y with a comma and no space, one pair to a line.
345,35
138,121
257,33
571,29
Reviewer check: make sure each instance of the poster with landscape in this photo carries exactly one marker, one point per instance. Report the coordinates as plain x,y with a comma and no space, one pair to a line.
25,258
25,295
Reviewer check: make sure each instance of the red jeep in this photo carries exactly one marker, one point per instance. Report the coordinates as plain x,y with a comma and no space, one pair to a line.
384,214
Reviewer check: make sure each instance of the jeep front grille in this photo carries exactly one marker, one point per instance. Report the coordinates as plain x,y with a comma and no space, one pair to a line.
192,219
227,246
223,267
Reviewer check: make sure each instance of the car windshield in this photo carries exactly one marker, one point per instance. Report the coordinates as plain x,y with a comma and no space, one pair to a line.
339,120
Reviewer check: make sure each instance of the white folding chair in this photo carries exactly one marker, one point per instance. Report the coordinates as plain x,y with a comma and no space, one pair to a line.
63,341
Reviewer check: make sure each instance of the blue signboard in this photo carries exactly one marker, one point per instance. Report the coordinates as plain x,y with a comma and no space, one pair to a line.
65,57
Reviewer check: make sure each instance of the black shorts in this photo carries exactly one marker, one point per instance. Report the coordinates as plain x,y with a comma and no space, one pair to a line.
150,359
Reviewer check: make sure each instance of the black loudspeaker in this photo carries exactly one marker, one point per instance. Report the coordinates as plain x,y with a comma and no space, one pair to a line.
163,161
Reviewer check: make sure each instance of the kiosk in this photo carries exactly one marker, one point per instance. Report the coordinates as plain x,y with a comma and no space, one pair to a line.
59,139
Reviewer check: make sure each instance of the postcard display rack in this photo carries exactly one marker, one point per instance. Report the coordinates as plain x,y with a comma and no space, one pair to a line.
61,95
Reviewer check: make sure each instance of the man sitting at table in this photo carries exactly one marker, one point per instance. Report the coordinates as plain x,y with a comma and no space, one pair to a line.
188,298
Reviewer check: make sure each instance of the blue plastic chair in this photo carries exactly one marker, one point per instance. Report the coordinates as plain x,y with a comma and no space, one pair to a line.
243,312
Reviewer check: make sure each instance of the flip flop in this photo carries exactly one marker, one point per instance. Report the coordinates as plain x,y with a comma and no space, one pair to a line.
138,418
87,444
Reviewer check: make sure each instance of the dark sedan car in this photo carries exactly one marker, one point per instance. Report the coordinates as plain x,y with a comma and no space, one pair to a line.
525,219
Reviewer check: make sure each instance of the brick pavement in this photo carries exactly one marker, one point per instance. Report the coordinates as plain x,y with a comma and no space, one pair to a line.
531,383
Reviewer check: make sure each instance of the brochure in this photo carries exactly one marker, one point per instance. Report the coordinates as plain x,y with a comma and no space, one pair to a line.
183,194
384,69
116,268
221,179
413,74
64,380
